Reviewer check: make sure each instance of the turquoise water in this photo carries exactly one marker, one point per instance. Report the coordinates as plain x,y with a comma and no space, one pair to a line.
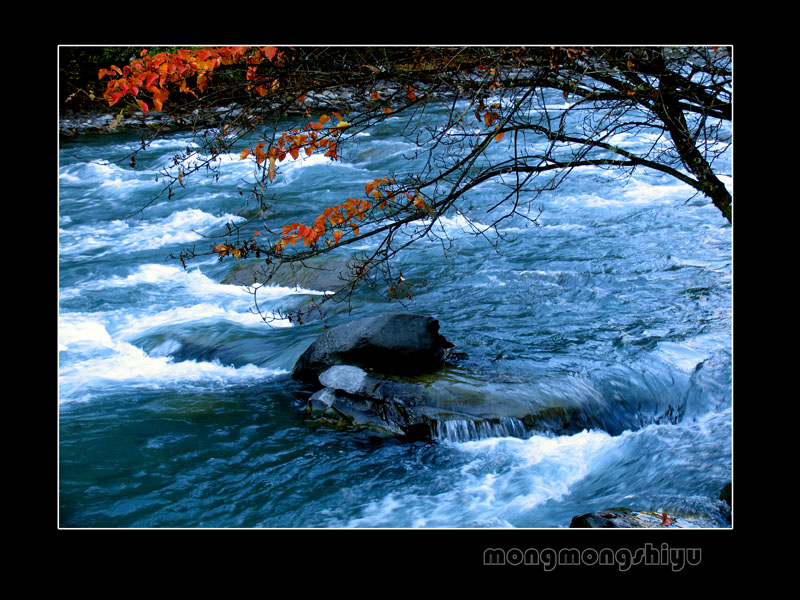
176,408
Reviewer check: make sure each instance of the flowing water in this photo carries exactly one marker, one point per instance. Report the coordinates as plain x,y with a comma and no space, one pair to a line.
176,408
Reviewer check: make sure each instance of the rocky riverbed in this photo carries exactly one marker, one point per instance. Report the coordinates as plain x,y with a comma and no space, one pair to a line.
116,120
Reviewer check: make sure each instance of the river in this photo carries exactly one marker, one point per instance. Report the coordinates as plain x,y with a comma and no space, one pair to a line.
176,409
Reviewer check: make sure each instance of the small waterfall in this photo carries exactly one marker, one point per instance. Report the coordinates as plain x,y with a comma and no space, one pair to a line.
463,430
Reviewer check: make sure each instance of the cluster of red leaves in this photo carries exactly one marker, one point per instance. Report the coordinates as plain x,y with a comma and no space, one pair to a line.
156,73
336,218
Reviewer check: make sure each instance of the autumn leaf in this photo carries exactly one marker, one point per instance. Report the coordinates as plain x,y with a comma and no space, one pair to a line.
114,98
337,236
225,249
261,156
271,170
245,153
158,99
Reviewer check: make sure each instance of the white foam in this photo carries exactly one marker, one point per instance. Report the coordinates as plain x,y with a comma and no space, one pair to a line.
128,365
501,480
136,324
539,468
78,330
192,283
119,236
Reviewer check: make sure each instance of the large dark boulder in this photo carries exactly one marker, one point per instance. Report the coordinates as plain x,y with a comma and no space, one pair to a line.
391,344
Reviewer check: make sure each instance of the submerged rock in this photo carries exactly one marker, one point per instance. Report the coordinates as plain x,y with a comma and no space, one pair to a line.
325,274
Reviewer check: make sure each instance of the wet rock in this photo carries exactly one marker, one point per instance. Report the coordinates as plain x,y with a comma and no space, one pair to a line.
625,518
391,343
391,407
349,379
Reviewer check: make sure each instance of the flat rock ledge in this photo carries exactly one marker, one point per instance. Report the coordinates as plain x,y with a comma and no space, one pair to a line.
352,398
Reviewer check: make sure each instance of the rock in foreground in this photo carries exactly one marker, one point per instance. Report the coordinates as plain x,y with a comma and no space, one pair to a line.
392,343
624,518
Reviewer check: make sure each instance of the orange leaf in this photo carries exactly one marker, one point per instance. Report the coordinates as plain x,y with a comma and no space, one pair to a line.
245,153
337,236
143,105
271,170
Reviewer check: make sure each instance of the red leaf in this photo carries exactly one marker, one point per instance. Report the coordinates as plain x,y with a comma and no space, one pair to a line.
115,96
270,51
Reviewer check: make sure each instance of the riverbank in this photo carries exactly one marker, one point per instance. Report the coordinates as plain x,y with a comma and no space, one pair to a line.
105,122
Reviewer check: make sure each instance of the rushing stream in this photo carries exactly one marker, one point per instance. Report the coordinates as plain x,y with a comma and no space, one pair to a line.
176,408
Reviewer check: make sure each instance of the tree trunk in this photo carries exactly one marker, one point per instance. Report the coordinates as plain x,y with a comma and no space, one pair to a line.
669,110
